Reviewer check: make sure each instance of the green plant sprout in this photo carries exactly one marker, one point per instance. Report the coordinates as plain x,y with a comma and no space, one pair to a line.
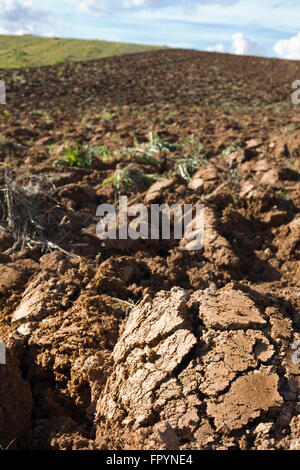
130,178
8,446
156,144
232,148
187,167
78,156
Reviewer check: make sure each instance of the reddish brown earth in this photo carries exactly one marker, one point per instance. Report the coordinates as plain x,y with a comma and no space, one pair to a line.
145,345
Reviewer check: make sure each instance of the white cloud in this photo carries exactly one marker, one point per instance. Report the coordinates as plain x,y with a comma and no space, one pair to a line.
98,8
20,17
217,48
161,3
135,3
245,46
102,7
288,48
21,32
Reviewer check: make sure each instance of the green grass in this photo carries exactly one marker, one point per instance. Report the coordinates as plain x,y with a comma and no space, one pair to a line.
8,446
229,150
32,51
156,144
283,194
78,155
126,179
198,156
145,153
81,156
186,167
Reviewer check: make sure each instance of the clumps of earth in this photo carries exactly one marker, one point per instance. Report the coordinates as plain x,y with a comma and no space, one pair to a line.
211,369
143,344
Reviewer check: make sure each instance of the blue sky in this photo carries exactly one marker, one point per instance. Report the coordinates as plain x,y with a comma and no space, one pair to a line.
254,27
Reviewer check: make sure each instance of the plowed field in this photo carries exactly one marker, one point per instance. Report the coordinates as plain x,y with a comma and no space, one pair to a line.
141,344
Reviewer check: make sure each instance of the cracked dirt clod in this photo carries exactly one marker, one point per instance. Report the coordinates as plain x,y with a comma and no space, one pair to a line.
32,302
230,353
249,397
160,321
161,366
230,309
157,337
172,365
216,247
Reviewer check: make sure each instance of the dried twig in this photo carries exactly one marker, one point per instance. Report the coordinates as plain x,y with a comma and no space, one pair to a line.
23,214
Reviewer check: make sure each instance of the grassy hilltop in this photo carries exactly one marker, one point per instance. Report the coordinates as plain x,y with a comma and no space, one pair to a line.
33,51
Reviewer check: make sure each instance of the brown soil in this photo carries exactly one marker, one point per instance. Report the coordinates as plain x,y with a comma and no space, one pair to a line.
142,344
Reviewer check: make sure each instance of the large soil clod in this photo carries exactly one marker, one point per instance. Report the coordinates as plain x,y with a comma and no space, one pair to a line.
183,362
